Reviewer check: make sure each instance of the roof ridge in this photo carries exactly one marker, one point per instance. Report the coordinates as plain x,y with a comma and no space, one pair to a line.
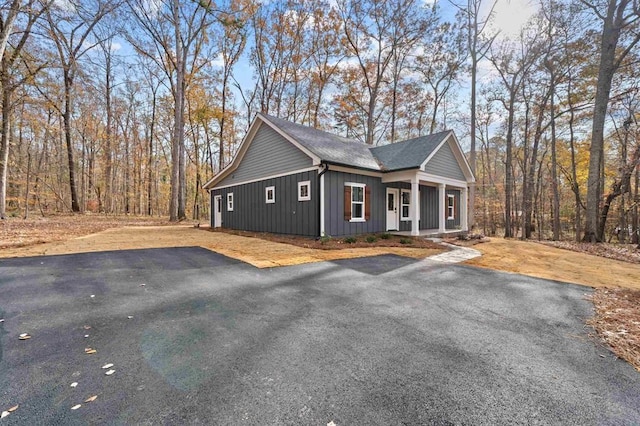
342,138
413,139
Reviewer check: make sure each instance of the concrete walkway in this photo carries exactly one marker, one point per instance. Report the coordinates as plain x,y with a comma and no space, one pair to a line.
457,254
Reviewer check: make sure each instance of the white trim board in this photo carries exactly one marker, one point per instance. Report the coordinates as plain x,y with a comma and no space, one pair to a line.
308,169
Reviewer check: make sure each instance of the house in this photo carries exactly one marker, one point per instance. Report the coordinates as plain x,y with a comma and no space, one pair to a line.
291,179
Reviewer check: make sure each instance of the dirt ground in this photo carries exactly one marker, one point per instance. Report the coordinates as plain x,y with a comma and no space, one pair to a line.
544,261
256,251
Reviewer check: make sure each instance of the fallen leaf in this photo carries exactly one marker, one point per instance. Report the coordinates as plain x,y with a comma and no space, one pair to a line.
91,352
87,327
142,285
91,398
93,295
107,366
24,336
331,423
74,384
130,317
4,414
75,407
1,319
12,409
110,372
86,335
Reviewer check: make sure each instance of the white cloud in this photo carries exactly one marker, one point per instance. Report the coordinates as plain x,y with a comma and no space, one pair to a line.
218,62
511,15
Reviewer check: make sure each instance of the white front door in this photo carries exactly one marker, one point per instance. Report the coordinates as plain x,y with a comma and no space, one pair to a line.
393,198
217,211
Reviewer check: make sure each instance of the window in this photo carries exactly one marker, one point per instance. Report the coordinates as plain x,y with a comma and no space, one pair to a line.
230,202
405,205
354,202
304,191
451,206
357,202
270,194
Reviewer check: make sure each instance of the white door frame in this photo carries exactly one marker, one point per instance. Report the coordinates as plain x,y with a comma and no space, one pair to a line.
217,211
396,197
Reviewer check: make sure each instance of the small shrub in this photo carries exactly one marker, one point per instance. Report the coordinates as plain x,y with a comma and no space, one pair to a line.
325,239
371,239
350,240
406,241
385,236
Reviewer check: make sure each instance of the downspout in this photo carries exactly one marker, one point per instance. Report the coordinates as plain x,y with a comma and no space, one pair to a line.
321,228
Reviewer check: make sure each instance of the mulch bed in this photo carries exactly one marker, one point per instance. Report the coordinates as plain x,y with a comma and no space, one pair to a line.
361,241
617,321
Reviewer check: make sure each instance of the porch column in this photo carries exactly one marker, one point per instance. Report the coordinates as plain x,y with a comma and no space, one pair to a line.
442,218
464,208
415,207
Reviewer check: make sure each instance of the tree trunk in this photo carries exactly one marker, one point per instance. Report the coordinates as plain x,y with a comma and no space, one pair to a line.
508,187
4,148
554,168
66,118
635,239
175,209
472,153
150,155
606,71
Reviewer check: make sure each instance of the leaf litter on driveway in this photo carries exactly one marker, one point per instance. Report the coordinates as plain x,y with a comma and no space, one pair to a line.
8,411
24,336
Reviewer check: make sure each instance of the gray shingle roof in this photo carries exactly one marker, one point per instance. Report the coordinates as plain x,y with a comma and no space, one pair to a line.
409,154
349,152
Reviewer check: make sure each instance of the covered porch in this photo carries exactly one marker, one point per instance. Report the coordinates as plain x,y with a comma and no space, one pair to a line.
418,178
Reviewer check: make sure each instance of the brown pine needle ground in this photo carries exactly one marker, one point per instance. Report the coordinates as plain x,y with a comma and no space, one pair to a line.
617,321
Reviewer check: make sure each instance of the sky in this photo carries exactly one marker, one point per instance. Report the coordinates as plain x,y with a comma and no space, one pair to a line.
509,17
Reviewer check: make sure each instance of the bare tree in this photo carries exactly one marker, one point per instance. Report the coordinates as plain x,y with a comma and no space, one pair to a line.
512,62
376,31
619,17
176,37
441,63
70,28
9,81
478,45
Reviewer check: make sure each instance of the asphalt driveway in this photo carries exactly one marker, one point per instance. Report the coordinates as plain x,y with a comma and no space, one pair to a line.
382,340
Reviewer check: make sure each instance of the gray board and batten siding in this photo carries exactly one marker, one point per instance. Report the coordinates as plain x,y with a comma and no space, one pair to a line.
444,164
337,226
455,222
286,215
335,223
268,155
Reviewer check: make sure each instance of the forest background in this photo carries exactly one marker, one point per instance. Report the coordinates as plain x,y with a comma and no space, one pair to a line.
129,106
